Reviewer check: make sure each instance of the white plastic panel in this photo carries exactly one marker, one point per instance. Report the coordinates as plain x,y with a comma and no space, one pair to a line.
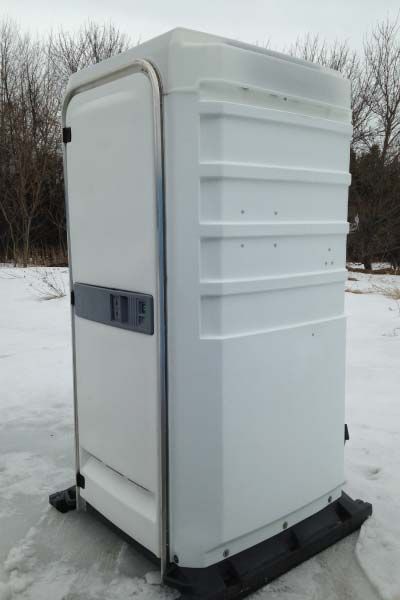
256,273
263,256
111,184
269,200
282,423
130,507
243,314
241,137
113,233
118,416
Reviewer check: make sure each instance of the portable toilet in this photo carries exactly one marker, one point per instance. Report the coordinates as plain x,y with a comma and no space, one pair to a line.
207,185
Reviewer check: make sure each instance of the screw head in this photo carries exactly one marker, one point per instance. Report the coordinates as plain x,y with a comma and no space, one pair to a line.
226,553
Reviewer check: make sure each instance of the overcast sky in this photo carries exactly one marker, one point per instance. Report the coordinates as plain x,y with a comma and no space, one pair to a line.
253,21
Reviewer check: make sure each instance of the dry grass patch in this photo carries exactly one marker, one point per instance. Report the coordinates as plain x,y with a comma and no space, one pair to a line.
390,291
357,291
48,284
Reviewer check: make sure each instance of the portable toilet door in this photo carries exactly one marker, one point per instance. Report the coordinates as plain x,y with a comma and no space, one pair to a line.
115,192
206,185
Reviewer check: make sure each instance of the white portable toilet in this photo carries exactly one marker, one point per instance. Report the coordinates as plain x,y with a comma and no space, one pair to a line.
207,185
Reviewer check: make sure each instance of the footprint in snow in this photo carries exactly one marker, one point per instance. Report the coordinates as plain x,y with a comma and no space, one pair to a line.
373,472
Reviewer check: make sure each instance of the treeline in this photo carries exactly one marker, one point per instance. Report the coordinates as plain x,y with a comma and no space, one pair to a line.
374,197
33,75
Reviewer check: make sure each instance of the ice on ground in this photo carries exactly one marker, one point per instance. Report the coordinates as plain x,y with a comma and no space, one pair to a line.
44,554
153,577
27,474
74,556
373,409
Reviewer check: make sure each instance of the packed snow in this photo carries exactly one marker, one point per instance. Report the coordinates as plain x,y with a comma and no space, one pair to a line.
44,554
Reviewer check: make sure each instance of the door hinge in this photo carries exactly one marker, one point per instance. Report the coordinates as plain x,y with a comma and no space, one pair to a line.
80,480
66,133
72,298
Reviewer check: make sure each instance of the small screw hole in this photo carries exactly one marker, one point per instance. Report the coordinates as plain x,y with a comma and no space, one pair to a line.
242,245
284,525
226,553
275,245
330,499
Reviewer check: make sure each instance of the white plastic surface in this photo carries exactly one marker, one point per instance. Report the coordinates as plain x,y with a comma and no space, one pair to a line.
130,507
256,160
113,244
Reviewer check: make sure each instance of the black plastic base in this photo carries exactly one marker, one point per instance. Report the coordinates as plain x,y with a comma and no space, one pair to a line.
65,500
239,575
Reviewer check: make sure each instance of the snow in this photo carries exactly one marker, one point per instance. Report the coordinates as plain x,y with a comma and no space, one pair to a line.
44,554
373,407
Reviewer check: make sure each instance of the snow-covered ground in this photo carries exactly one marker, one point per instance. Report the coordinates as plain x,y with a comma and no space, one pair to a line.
44,554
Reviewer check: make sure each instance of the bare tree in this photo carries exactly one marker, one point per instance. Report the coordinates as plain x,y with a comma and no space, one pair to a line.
33,73
375,190
382,58
8,88
92,43
340,57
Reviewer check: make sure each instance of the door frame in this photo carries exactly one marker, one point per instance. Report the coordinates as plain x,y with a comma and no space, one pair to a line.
148,69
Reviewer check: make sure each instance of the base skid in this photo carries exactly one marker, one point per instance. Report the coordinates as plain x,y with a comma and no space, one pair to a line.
65,500
239,575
